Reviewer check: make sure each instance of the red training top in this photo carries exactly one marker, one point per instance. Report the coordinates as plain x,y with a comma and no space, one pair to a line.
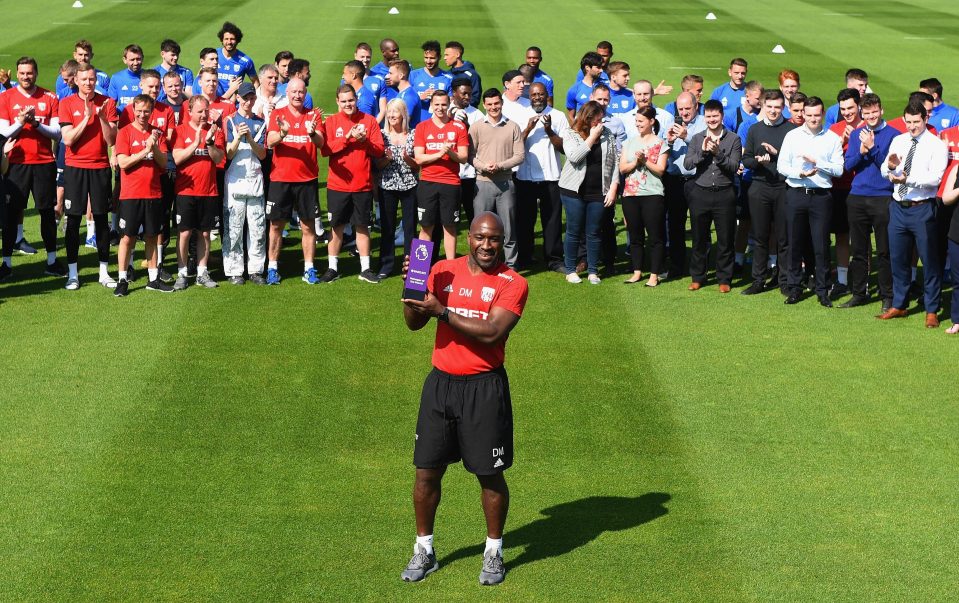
32,147
162,117
472,296
90,150
350,166
196,176
432,137
294,157
142,181
950,136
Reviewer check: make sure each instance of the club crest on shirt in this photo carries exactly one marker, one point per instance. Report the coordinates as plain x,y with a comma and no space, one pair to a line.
339,133
236,68
451,135
487,294
42,106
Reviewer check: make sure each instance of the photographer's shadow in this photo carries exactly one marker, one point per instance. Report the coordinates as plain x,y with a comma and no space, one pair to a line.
570,525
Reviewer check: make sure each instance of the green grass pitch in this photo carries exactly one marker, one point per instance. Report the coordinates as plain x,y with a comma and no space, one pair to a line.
255,443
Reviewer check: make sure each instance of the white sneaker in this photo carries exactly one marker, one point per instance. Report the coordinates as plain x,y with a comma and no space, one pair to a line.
108,282
594,279
572,277
72,284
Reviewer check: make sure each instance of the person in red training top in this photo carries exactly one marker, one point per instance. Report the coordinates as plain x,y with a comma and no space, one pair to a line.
141,156
88,127
850,118
198,147
440,145
29,113
465,409
294,135
351,139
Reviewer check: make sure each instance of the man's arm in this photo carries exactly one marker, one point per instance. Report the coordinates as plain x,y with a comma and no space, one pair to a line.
491,331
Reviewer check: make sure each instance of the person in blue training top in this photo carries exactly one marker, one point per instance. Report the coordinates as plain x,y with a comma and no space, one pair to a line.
534,56
399,76
591,65
856,79
282,63
693,84
620,95
233,63
943,116
731,93
453,57
391,52
209,59
429,78
83,53
170,61
788,85
367,101
605,50
748,112
125,85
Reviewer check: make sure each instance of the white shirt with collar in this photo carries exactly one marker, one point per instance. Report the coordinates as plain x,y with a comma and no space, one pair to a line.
473,115
543,162
824,147
928,165
518,111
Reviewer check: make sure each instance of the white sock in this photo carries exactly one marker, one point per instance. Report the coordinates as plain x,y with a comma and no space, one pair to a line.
103,270
90,228
51,257
20,232
8,261
318,225
181,271
154,273
72,268
494,545
914,271
201,271
841,274
426,542
273,265
772,261
307,265
334,262
364,262
123,275
740,258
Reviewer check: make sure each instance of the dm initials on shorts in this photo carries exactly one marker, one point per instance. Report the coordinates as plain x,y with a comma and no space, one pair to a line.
497,452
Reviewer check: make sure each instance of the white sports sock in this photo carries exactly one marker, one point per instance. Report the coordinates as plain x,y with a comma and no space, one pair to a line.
123,275
181,272
494,545
842,274
201,270
103,269
72,268
51,257
19,232
273,265
307,265
334,262
426,542
154,273
364,262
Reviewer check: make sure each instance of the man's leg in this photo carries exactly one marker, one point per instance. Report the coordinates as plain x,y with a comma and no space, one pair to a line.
427,489
495,499
506,210
551,213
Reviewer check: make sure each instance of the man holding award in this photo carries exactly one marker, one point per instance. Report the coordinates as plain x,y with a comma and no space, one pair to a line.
465,409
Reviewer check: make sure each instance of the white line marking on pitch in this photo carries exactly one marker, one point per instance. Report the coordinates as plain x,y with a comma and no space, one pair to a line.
698,68
340,62
842,14
924,38
365,6
68,23
362,29
643,33
613,10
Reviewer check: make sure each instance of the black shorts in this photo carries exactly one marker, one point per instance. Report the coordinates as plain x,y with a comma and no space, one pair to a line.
83,183
39,179
437,203
839,223
284,197
465,417
134,213
352,208
197,213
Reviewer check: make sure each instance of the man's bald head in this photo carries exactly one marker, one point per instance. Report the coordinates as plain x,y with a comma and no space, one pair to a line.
487,219
686,107
686,99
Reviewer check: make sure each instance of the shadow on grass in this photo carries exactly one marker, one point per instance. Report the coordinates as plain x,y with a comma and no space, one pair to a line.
570,525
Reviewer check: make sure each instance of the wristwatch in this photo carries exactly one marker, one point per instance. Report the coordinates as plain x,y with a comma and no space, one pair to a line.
444,316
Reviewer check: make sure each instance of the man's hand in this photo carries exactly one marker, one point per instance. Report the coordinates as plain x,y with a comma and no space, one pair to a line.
25,115
283,124
243,130
596,130
710,145
810,172
532,123
893,162
87,110
867,140
773,151
430,306
8,145
662,89
547,120
4,77
310,127
900,179
810,160
764,158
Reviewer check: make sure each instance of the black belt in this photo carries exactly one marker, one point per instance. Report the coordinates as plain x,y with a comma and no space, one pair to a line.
714,187
812,191
908,204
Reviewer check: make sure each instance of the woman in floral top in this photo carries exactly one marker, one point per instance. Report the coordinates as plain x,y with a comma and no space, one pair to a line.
397,184
643,162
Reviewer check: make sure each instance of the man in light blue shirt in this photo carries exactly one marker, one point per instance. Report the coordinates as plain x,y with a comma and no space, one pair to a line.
534,56
591,66
678,135
810,157
731,93
233,63
83,53
429,78
943,116
170,61
605,51
856,79
125,85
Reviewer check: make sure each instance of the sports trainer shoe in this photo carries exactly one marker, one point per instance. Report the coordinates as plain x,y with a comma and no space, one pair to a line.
272,276
5,272
160,286
369,276
164,276
236,280
574,278
91,242
310,277
56,269
257,279
123,287
329,276
206,280
594,279
72,284
493,571
421,565
181,283
108,282
24,248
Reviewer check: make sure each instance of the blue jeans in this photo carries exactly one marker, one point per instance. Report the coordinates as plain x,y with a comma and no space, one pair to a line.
582,215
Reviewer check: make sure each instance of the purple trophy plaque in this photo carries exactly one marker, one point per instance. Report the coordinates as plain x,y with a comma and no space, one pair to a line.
421,252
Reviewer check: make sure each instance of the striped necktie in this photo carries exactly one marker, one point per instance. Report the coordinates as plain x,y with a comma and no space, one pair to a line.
907,167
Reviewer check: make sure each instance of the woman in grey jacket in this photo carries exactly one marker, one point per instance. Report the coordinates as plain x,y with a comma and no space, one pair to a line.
589,182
